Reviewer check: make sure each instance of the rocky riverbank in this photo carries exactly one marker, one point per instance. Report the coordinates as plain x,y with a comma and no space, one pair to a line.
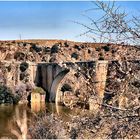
108,123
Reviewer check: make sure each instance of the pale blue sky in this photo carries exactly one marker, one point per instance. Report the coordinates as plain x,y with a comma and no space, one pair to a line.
47,20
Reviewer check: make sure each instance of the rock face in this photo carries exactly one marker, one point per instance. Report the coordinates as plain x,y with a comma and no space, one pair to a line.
63,51
122,88
17,78
116,85
81,79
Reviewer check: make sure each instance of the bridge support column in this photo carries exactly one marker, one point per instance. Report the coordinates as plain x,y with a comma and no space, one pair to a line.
101,73
32,72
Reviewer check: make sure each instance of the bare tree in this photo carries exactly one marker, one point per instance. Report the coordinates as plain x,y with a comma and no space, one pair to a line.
113,25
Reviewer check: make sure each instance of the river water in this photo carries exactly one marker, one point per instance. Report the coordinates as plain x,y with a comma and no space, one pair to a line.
8,115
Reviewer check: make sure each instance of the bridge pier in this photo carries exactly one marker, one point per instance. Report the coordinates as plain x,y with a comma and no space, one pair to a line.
100,84
51,74
100,78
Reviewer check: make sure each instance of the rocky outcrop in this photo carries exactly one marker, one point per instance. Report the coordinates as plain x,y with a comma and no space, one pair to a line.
122,88
64,51
19,77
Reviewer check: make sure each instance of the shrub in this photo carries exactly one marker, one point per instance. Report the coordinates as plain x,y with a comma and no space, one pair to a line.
16,99
4,89
47,50
77,47
66,87
24,66
38,90
19,56
74,55
21,91
55,48
7,96
106,48
98,49
24,44
35,48
66,44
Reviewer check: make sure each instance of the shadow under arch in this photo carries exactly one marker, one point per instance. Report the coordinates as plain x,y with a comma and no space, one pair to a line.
55,84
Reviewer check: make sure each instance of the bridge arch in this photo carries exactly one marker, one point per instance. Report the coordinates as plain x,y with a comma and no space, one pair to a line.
55,84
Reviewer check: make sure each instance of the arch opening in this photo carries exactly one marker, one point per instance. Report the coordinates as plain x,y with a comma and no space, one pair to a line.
55,85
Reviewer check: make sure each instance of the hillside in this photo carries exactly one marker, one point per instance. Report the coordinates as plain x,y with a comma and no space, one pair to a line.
63,50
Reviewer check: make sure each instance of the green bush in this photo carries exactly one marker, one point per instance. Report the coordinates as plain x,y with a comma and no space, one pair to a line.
24,44
38,90
74,55
98,49
106,48
19,56
66,44
16,99
47,50
7,96
77,47
4,89
35,48
24,66
55,48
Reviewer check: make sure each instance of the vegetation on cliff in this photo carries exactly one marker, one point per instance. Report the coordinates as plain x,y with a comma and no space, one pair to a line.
38,90
7,97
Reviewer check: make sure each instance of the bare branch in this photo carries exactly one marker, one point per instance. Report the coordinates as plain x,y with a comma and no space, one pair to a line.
113,25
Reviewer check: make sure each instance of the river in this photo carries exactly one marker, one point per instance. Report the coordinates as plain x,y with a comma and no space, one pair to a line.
9,114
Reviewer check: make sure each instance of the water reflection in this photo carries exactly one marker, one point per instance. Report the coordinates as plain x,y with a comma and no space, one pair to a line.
15,120
20,130
38,106
6,113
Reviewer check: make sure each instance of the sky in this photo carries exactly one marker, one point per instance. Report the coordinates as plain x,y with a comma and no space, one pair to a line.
47,19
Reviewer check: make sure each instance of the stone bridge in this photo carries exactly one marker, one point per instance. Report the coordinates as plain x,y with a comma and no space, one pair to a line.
49,75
